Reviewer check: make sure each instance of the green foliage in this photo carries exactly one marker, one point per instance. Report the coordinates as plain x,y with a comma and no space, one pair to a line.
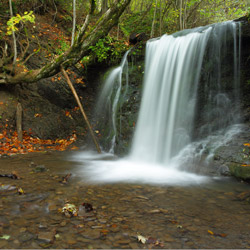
62,47
108,48
134,22
15,20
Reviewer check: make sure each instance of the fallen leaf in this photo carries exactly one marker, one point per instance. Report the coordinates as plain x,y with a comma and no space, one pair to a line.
141,239
210,232
5,237
222,235
20,191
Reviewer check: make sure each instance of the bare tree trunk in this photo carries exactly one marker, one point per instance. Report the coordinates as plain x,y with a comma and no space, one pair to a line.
153,22
81,108
184,15
14,37
74,22
19,112
104,6
180,17
160,19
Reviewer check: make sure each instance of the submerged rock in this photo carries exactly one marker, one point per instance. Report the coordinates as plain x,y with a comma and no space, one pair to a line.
240,171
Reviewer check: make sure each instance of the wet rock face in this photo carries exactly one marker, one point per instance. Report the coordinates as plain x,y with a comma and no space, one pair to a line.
44,105
245,66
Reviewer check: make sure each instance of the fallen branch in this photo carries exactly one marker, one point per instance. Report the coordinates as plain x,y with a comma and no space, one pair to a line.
81,108
19,112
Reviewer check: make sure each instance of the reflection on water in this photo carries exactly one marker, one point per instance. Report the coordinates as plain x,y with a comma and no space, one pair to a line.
179,216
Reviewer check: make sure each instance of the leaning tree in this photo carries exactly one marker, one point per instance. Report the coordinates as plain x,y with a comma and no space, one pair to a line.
87,36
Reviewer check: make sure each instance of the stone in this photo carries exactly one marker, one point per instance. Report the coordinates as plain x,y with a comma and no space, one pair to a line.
26,236
154,211
63,223
192,229
97,227
40,169
23,229
71,241
92,234
83,240
46,236
169,238
240,171
16,242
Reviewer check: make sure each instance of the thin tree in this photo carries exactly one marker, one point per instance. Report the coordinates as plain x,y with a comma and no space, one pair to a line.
74,22
13,36
153,22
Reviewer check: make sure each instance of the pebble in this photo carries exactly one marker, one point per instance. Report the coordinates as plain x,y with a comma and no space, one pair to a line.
114,229
23,229
26,236
102,221
71,241
192,229
63,223
142,197
97,227
154,211
53,207
169,238
16,242
82,239
91,234
46,236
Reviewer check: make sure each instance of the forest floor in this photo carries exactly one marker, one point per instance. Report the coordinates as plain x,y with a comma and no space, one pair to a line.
34,214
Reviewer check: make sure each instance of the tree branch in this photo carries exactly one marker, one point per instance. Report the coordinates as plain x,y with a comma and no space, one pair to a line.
79,49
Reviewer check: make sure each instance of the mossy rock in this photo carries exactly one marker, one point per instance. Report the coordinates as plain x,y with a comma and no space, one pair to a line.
240,171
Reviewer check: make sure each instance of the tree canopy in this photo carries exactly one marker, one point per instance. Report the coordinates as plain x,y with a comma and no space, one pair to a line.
99,24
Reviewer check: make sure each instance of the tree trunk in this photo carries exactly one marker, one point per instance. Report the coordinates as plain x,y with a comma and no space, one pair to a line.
153,22
104,6
19,113
74,22
79,49
13,36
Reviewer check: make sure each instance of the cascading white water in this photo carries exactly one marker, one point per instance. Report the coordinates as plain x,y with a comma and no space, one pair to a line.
111,94
165,121
173,69
188,105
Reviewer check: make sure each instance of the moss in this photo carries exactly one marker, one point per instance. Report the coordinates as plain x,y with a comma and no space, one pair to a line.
240,171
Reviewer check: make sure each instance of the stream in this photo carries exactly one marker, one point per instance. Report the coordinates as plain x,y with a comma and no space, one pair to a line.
210,215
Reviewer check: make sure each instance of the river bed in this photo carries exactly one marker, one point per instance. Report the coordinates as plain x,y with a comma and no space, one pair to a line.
210,215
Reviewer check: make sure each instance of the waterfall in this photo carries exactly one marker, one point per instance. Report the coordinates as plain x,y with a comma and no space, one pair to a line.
189,108
110,97
174,65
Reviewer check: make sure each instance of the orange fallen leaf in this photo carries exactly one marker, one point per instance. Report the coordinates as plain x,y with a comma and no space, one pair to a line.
210,232
222,235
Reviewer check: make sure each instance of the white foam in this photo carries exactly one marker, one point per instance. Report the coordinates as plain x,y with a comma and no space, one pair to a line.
97,170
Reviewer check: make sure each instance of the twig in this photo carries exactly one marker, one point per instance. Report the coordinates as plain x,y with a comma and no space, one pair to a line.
81,108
